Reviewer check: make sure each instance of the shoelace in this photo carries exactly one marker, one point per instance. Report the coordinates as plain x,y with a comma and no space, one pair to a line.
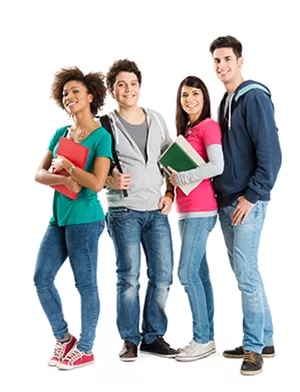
190,348
250,356
58,350
73,355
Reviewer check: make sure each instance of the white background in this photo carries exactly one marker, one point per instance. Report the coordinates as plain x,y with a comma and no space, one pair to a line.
168,41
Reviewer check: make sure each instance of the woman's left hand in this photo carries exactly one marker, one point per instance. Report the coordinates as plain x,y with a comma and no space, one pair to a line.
172,178
57,163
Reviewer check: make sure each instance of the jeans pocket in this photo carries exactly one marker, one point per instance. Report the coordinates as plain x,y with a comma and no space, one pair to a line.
118,212
261,209
264,208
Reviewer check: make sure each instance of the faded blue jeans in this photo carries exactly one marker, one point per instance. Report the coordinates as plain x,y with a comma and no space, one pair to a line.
80,243
242,244
130,230
193,274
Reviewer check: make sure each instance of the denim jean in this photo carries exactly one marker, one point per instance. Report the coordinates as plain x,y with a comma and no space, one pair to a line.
193,274
242,242
131,230
80,243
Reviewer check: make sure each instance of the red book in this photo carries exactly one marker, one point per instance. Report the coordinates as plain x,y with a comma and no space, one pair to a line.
77,154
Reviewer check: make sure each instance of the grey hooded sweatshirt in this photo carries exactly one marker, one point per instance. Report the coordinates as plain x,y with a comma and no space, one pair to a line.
146,178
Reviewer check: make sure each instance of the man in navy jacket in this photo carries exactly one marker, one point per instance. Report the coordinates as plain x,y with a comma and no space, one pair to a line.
252,159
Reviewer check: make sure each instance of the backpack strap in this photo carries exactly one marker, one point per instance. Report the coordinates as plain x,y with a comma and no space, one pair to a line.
105,122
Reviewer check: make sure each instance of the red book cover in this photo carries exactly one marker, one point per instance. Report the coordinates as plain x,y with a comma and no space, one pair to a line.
77,154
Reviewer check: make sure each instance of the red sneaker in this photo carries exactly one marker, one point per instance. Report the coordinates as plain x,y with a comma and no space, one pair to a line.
74,359
61,350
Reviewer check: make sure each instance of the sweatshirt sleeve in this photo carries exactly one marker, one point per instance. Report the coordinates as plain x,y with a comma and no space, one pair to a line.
262,128
213,167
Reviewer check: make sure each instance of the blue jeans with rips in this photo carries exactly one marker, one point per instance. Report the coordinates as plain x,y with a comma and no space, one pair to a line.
242,244
80,243
130,230
193,274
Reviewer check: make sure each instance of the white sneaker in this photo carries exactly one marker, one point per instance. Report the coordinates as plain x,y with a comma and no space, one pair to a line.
195,351
213,346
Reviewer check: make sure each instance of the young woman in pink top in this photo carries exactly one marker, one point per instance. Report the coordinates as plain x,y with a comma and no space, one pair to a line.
197,211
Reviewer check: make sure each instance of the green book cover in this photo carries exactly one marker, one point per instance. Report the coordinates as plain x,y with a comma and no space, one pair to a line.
177,158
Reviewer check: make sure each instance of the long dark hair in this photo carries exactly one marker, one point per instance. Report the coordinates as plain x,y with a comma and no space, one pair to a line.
182,117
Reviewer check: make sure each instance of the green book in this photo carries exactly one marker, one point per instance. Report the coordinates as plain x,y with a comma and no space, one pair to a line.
178,159
181,156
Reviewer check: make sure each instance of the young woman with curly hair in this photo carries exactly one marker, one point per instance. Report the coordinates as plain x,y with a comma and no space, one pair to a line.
76,225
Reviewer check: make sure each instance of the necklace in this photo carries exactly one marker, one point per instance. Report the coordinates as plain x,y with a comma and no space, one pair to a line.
77,135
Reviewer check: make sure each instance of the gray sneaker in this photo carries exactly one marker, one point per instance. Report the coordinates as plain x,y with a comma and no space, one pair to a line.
195,351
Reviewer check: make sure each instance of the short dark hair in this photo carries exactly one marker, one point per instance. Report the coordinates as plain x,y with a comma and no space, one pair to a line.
182,117
227,42
124,65
94,82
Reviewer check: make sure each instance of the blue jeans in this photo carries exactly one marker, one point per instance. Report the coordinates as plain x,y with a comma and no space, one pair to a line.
129,230
193,274
79,243
242,244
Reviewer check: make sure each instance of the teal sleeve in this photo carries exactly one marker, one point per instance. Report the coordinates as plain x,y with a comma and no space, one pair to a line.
55,139
104,146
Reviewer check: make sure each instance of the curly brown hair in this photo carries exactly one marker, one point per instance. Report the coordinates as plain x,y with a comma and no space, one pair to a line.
94,82
122,66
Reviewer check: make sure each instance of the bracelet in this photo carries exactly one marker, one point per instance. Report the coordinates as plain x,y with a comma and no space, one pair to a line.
170,193
70,170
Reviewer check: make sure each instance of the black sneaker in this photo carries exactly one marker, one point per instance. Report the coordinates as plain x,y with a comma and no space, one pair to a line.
128,352
252,364
159,347
267,352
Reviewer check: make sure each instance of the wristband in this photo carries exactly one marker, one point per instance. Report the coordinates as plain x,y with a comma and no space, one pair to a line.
170,193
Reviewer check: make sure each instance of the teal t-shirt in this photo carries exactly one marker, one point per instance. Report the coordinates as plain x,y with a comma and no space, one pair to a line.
86,208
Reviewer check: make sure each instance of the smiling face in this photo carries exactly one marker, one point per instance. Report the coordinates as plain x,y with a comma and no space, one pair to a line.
192,102
76,97
126,89
228,66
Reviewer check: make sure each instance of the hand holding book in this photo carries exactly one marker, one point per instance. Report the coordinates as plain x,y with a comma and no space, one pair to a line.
172,176
181,156
77,154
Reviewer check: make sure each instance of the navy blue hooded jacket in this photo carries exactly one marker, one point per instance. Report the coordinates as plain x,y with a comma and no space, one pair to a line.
251,147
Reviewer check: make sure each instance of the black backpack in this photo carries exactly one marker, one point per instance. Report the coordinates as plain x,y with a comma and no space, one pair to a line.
105,122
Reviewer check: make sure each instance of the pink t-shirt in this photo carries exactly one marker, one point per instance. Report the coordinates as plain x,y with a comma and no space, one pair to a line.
202,198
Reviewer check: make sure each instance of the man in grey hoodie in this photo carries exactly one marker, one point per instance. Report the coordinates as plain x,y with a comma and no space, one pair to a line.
140,217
